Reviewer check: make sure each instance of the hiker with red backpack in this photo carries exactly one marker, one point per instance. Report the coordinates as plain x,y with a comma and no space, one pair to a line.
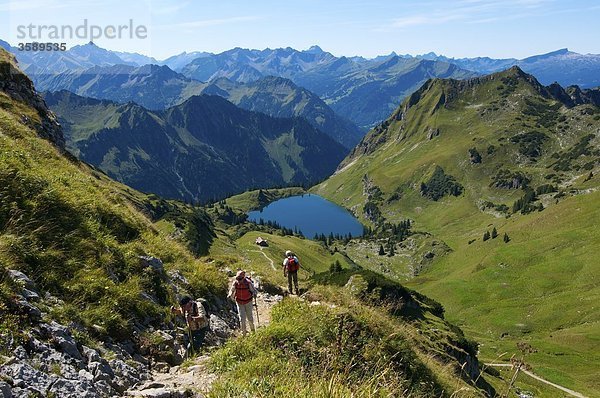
243,292
291,265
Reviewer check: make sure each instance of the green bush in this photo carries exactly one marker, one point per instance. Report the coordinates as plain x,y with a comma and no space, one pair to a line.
530,143
439,185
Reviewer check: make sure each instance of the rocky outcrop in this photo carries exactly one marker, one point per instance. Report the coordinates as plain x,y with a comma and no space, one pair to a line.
19,87
52,362
432,133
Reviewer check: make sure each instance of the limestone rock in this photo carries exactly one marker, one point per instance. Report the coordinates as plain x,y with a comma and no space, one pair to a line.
73,388
432,133
62,338
127,375
21,279
100,370
219,327
155,263
5,390
28,309
24,375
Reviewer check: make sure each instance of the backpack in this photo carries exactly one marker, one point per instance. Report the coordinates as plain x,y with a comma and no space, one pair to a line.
292,264
243,294
196,311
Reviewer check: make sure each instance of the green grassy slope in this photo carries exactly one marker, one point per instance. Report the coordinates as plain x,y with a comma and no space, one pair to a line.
78,234
353,340
542,286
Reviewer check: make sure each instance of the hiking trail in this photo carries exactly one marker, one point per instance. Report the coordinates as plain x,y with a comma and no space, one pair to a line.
194,378
267,257
533,375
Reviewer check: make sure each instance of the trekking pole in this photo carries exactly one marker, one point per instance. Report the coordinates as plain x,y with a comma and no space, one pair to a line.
257,317
191,340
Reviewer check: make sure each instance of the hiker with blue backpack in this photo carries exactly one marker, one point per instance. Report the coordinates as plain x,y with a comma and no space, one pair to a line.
291,265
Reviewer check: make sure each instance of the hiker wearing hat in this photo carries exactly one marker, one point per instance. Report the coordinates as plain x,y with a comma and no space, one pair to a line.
243,291
196,320
291,265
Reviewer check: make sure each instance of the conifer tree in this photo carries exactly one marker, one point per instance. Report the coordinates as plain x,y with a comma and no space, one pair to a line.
506,238
494,233
381,251
486,235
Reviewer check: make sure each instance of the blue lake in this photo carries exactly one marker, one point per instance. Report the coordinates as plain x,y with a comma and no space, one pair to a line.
310,214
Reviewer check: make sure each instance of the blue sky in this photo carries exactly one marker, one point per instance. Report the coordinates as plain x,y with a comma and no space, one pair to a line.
461,28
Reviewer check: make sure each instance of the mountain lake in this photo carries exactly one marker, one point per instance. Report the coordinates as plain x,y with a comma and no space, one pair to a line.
310,214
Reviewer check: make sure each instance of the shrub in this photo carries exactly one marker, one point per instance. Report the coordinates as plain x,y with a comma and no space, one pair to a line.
530,144
440,185
474,156
508,179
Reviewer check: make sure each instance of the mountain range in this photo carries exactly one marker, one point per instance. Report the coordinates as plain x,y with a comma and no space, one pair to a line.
151,86
562,66
359,89
364,91
158,87
202,149
280,97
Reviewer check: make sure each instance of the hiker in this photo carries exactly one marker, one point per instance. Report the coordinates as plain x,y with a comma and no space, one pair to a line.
197,322
291,265
243,292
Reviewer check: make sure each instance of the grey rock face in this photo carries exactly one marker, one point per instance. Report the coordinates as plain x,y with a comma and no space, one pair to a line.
21,279
28,309
155,263
73,388
5,390
219,327
62,338
90,354
101,370
19,87
127,375
24,376
30,295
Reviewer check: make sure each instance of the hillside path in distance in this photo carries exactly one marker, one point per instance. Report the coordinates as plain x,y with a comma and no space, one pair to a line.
267,257
533,375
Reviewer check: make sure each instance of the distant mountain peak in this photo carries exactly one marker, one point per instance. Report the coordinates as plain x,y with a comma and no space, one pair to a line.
535,58
559,52
314,50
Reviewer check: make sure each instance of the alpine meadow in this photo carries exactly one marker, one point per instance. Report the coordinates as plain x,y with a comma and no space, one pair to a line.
247,199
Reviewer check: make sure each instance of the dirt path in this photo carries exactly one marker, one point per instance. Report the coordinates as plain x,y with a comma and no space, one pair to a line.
179,381
196,376
533,375
267,257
